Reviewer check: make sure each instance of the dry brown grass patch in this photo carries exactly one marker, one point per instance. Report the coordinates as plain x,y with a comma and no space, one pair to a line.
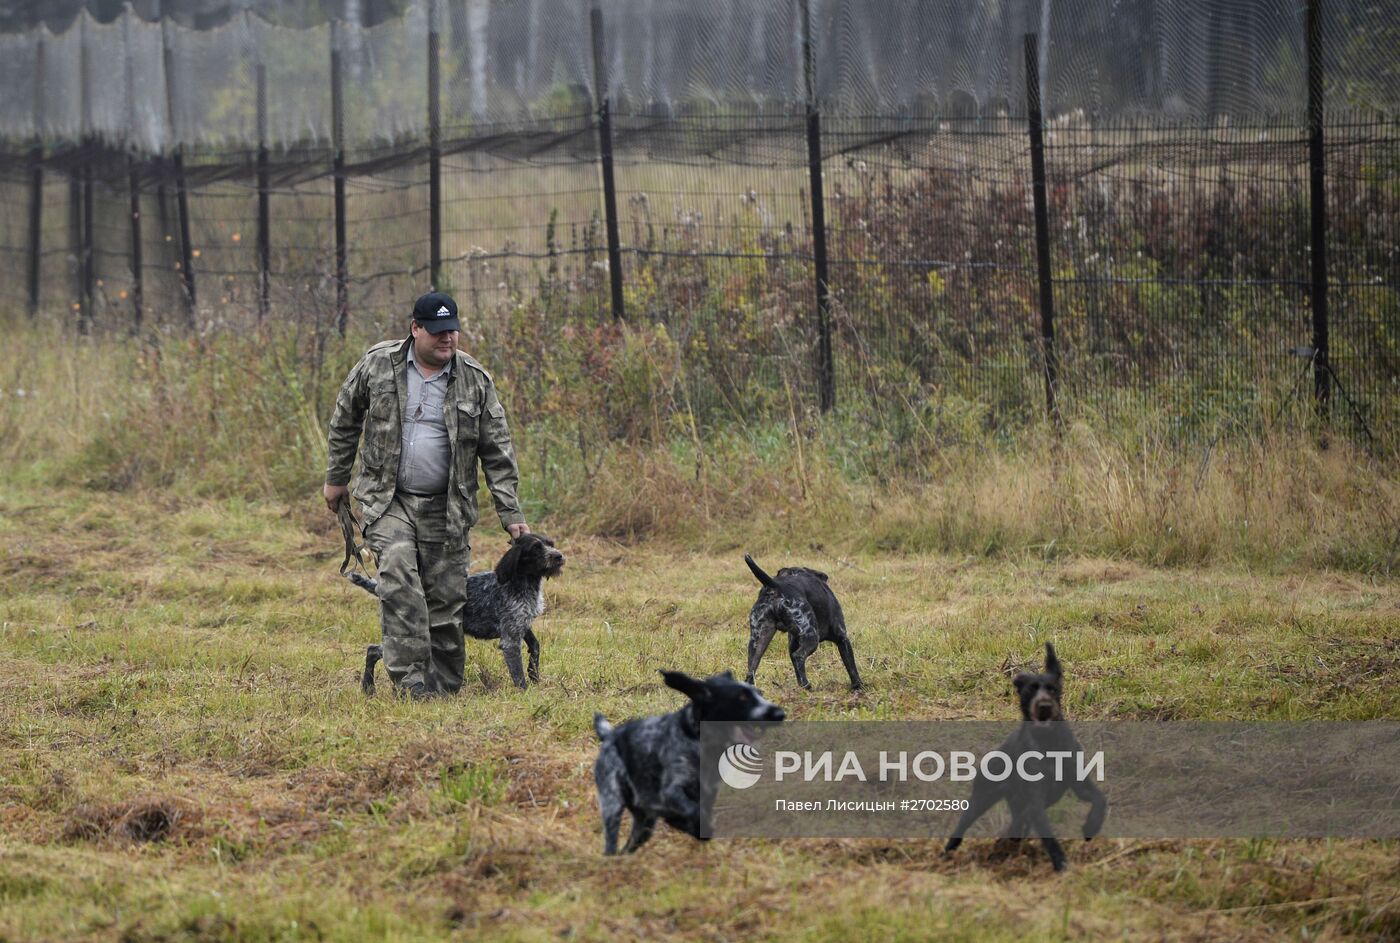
140,821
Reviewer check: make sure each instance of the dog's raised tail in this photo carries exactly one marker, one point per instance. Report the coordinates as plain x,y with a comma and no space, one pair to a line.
601,727
364,582
763,578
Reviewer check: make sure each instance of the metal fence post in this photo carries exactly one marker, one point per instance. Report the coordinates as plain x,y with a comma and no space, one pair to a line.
133,181
36,185
75,239
1317,169
342,287
434,149
826,370
605,156
36,223
264,210
264,248
1042,227
89,259
182,203
138,294
87,288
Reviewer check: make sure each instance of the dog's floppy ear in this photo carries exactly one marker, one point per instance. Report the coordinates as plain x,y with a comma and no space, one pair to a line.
1021,680
508,569
1052,664
693,688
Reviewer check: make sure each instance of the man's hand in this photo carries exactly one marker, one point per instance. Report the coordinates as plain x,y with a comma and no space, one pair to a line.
517,529
334,494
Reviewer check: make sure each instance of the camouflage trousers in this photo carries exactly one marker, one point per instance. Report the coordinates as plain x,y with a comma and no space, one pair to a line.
422,589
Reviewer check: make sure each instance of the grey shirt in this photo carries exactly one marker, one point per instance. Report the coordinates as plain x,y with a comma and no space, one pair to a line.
426,450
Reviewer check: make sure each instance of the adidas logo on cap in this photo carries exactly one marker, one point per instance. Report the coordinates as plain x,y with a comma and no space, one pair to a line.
435,308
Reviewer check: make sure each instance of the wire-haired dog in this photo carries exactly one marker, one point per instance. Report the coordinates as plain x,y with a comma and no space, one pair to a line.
651,767
799,602
501,604
1043,730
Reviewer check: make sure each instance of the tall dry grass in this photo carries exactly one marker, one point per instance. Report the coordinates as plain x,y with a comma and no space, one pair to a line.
245,416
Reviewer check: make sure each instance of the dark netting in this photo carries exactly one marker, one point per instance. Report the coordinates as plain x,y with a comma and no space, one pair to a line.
1363,245
1187,58
162,283
934,221
914,56
519,60
54,81
1182,265
509,62
297,68
715,215
1176,146
523,249
17,110
111,251
386,74
14,246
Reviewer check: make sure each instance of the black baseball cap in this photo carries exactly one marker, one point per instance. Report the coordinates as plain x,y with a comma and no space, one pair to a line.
437,312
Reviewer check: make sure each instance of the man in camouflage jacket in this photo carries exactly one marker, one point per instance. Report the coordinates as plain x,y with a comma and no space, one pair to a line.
429,413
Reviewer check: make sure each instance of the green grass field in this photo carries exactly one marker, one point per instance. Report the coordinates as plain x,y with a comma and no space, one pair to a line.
185,754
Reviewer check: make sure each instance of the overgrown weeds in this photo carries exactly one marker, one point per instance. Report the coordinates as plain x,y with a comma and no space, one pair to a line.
617,447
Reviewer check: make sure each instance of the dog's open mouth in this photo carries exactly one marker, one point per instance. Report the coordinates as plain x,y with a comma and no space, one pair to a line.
743,734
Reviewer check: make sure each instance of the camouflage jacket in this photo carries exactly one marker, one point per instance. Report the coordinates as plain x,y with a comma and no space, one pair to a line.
372,400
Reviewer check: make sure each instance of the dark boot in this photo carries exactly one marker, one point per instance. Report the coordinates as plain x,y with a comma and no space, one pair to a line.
418,691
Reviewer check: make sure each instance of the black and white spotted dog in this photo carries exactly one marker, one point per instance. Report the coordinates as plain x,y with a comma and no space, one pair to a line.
797,601
501,604
651,767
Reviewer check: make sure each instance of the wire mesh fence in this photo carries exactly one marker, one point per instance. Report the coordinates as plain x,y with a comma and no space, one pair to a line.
1176,140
